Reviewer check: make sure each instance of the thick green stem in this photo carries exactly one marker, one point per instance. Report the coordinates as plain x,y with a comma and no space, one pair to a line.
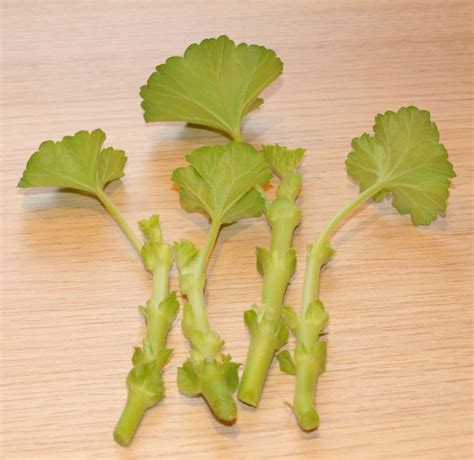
122,223
130,418
197,302
263,341
195,291
257,364
144,382
274,286
306,362
157,325
262,345
282,235
160,287
207,361
216,392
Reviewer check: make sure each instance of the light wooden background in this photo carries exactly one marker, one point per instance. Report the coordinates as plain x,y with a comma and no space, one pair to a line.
398,381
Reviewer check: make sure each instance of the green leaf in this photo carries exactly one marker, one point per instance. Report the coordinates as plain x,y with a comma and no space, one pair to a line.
282,335
220,181
291,319
250,319
151,229
230,370
186,254
188,381
215,84
405,158
320,353
146,378
286,362
187,323
144,311
264,259
327,253
316,315
282,159
169,306
137,357
78,162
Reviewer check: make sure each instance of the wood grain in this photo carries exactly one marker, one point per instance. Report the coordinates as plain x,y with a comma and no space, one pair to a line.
399,378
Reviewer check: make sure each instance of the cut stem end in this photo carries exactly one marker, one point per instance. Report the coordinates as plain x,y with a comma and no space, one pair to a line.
308,420
132,414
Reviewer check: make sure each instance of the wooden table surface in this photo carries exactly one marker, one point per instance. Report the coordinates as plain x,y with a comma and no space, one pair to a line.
398,380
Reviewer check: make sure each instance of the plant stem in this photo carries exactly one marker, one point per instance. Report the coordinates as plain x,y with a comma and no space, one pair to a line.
206,251
257,365
122,223
306,357
157,325
237,136
206,357
263,341
314,260
303,405
144,382
282,236
197,301
130,419
160,286
195,292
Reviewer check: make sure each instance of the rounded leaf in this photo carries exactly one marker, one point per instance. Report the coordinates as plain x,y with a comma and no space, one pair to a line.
405,158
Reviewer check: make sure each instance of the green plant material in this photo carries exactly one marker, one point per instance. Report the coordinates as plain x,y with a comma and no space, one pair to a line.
276,265
287,365
215,84
281,159
144,381
403,160
220,181
80,162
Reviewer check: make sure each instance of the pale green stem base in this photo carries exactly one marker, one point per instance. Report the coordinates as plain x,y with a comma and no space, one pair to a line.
219,398
131,416
259,359
303,405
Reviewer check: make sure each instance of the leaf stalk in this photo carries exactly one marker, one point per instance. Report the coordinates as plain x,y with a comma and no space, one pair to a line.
118,217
